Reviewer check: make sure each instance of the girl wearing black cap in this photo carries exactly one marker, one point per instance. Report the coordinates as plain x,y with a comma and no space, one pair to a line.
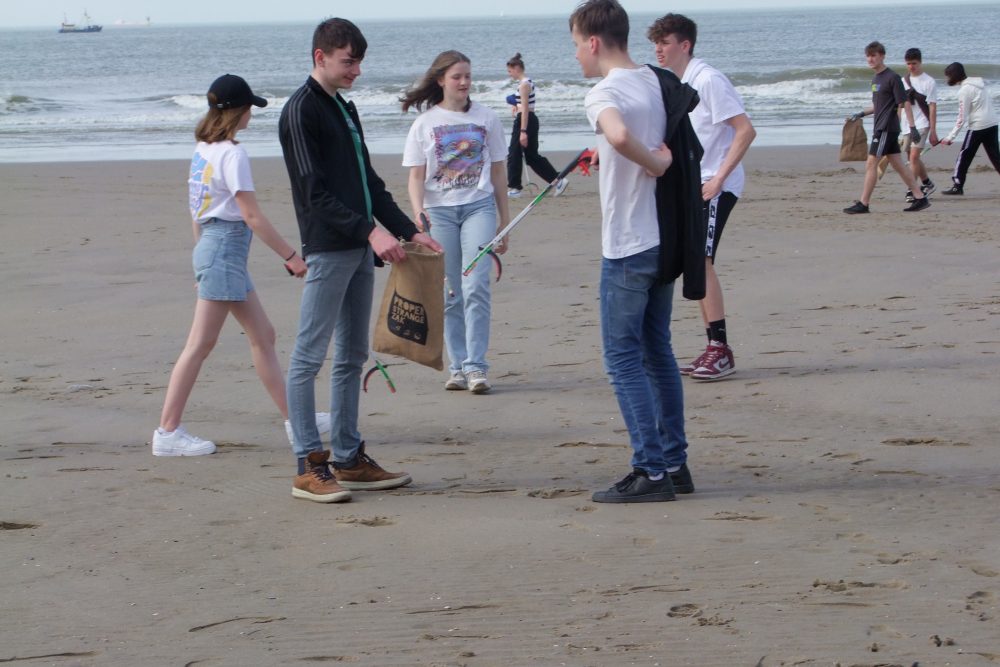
224,210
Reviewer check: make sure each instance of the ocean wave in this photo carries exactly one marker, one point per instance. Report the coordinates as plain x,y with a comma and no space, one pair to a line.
22,104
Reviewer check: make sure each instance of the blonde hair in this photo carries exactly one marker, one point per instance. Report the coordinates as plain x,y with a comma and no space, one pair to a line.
220,125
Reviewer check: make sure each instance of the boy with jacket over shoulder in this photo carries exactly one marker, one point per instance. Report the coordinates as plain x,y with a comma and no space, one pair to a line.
337,197
627,113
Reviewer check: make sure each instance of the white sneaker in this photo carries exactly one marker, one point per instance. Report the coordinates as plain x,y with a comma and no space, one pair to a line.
322,425
180,443
456,381
478,384
561,186
514,194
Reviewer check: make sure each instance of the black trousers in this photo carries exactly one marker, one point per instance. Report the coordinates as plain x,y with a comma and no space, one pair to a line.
516,153
987,138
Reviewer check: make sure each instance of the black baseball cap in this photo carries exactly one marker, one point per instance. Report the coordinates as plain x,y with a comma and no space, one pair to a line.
231,92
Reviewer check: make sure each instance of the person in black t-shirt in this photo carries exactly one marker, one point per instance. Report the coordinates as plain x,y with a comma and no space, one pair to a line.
887,96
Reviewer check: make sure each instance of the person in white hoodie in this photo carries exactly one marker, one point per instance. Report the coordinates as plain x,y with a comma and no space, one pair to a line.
975,107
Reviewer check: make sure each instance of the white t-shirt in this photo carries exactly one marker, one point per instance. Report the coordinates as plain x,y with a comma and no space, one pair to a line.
458,149
719,102
925,85
628,204
218,171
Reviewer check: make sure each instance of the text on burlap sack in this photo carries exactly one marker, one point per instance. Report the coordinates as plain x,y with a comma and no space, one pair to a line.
407,319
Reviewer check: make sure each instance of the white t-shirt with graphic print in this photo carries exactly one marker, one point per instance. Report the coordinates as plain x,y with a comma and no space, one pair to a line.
218,171
458,149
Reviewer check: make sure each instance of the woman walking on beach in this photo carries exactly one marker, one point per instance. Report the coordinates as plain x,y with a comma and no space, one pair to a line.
455,152
225,214
975,108
524,138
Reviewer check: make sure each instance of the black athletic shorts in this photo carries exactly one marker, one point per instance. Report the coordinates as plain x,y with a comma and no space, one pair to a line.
716,213
884,143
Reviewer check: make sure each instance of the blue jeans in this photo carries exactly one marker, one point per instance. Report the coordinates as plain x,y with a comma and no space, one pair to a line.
635,329
462,230
336,302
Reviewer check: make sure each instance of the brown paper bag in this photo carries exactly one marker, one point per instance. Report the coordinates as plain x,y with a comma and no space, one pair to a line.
854,145
411,319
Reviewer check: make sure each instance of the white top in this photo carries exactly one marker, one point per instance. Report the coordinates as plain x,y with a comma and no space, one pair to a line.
925,85
218,171
458,149
975,107
719,102
531,94
628,204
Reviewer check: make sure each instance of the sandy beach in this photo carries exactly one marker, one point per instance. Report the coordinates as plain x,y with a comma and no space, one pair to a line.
846,475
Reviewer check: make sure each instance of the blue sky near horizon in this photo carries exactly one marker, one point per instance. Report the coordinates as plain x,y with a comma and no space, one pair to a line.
45,13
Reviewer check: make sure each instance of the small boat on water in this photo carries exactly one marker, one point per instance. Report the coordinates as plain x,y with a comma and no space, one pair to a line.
86,26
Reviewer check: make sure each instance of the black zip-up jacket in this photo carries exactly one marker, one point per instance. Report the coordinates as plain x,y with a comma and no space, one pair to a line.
322,165
680,209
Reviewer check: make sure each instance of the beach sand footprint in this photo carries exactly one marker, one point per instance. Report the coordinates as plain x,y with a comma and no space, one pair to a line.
371,522
687,610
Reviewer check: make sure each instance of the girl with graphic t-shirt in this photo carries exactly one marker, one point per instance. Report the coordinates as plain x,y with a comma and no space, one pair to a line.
524,138
224,214
455,151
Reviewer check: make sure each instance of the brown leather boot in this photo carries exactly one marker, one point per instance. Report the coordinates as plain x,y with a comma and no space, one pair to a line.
317,483
368,475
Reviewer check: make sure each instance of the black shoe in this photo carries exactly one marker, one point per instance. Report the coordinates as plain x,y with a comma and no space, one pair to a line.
682,480
919,205
909,197
928,187
953,190
637,488
856,207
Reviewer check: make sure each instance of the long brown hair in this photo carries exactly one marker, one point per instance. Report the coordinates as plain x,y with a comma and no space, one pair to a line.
220,125
428,92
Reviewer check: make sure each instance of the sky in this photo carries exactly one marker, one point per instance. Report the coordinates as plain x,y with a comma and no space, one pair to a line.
47,13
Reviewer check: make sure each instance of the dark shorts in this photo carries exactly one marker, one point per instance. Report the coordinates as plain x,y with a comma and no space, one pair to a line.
716,214
884,143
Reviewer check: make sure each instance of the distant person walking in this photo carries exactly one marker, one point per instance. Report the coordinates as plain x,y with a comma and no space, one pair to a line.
921,90
725,132
225,215
975,109
887,96
455,151
524,138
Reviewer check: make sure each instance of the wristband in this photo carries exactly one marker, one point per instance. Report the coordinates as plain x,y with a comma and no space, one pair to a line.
524,131
290,256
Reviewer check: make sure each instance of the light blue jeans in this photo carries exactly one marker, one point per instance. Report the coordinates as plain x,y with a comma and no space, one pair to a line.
635,328
337,303
462,230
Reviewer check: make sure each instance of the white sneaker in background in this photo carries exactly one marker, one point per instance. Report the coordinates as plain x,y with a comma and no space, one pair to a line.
561,186
180,443
478,384
322,425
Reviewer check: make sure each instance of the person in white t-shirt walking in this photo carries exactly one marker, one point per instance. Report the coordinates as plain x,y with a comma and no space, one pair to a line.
225,216
457,158
921,89
725,132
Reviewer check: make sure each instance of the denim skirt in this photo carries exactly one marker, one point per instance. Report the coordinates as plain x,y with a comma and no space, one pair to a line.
220,261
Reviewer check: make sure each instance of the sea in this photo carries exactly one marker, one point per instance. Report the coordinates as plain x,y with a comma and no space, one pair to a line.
136,92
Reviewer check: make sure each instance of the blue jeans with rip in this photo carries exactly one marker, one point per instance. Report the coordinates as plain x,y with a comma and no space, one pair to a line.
635,329
462,230
336,303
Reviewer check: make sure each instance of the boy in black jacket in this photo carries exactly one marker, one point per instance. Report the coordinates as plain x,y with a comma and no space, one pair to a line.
337,196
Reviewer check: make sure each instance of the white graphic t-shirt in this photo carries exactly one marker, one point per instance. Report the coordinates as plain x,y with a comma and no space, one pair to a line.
218,171
458,149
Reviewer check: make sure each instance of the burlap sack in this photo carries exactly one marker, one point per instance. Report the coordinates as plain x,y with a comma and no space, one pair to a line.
411,319
854,145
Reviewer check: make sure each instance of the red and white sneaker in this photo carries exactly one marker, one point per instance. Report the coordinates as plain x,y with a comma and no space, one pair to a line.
690,367
716,363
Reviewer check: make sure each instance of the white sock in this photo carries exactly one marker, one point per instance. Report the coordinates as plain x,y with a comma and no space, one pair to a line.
657,477
673,468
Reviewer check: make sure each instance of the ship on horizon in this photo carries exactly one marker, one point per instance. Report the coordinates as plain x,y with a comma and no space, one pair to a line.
87,26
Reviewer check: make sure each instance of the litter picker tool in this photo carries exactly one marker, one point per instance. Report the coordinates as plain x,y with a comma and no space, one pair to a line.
582,159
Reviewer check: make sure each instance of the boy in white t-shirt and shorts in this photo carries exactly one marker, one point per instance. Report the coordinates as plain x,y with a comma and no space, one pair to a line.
725,132
627,113
921,90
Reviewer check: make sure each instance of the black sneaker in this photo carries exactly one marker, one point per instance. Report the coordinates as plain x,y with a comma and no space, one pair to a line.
909,197
928,187
918,205
953,190
637,488
856,207
682,480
